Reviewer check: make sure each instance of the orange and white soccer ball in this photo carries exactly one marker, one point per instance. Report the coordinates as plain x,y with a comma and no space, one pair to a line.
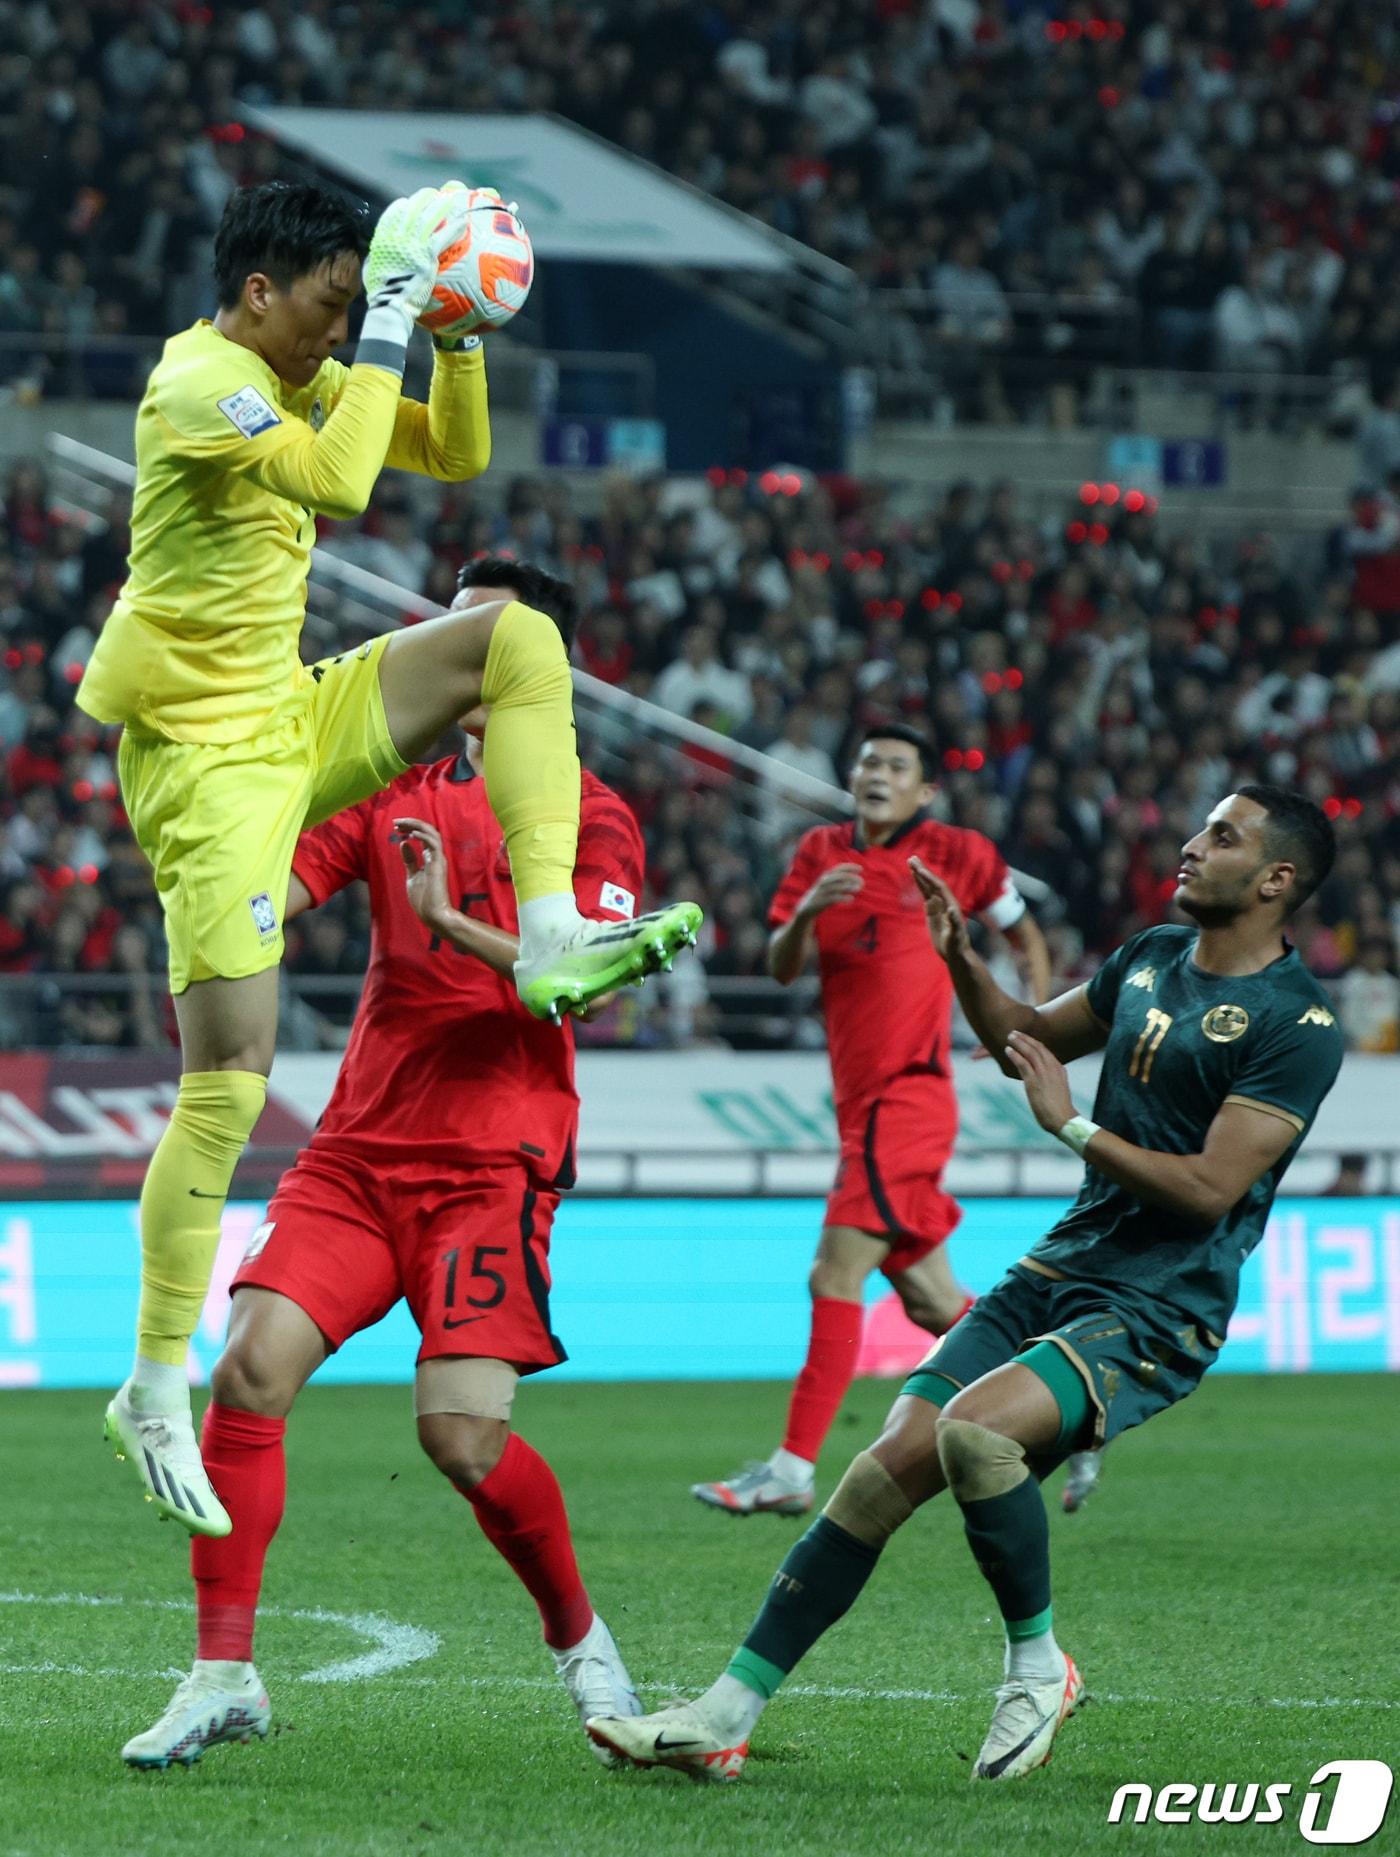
485,275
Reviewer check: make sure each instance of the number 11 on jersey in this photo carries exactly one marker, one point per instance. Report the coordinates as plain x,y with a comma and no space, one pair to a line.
1157,1026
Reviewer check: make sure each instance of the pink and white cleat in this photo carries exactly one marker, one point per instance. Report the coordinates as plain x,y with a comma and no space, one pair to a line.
757,1489
678,1737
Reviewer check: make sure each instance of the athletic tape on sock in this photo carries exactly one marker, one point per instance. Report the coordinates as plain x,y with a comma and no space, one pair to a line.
978,1463
868,1503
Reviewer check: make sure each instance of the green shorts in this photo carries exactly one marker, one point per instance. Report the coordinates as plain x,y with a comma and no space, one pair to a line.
1134,1360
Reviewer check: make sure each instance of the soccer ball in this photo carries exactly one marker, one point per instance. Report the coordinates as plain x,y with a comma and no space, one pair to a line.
484,277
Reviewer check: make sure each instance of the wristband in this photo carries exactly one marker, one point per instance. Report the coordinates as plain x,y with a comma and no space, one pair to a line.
1077,1133
456,344
384,337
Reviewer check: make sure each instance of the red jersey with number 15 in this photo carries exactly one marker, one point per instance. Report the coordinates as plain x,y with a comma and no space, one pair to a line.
886,994
444,1063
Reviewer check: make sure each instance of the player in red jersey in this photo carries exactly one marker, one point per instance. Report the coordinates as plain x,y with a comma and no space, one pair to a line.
434,1175
849,894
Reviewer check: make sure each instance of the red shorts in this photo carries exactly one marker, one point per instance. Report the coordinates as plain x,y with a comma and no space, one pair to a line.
468,1248
893,1152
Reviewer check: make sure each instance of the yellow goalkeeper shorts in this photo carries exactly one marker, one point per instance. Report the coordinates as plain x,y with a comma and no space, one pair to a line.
219,821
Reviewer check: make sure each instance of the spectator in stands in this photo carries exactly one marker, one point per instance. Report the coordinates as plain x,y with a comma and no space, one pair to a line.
1368,998
1084,693
795,749
699,675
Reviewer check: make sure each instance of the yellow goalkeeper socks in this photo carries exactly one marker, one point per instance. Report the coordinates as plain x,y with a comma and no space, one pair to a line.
182,1200
531,754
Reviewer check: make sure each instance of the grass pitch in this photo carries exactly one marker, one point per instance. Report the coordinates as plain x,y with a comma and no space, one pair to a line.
1230,1595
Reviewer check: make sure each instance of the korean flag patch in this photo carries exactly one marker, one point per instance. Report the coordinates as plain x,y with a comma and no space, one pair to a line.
249,412
621,902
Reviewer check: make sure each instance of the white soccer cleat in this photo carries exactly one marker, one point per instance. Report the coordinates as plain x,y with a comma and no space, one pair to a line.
757,1489
161,1448
215,1703
1025,1722
1085,1468
598,1684
598,957
678,1737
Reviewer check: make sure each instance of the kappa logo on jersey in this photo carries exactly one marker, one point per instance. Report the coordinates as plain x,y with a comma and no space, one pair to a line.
259,1240
621,902
249,413
316,418
264,915
1317,1015
1145,977
1224,1024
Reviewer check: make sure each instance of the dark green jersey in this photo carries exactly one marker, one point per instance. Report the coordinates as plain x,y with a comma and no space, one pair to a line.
1182,1043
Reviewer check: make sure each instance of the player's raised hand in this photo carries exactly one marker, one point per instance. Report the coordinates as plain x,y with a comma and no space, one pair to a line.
837,885
946,922
410,237
425,863
1045,1078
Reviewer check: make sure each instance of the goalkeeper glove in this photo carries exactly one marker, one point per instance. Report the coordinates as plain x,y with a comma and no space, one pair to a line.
401,270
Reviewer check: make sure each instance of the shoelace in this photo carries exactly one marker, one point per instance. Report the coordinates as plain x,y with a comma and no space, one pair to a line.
164,1435
184,1695
757,1472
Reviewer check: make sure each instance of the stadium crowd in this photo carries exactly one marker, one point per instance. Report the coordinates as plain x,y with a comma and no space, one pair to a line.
1092,686
1028,182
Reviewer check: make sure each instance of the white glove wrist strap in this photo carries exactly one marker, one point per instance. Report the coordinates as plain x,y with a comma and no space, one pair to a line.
1077,1133
384,337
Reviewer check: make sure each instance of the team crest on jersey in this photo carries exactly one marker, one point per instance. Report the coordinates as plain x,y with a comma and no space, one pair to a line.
1317,1015
259,1239
1224,1024
316,418
264,915
1145,977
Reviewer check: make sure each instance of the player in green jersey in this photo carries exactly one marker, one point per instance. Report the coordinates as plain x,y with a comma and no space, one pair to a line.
1219,1047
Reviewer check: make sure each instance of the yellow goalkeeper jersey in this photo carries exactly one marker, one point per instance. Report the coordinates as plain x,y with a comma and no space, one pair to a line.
231,468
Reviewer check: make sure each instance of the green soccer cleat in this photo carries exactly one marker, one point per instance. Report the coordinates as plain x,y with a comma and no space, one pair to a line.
161,1449
599,957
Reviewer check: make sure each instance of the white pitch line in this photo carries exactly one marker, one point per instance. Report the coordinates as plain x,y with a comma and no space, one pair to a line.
847,1692
398,1645
395,1645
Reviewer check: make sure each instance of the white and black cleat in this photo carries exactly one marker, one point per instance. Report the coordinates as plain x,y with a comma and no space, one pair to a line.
161,1448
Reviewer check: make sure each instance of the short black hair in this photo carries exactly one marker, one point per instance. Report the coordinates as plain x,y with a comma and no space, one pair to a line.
902,732
284,229
530,584
1299,831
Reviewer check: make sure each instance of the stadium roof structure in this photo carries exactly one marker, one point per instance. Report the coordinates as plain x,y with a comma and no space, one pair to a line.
580,198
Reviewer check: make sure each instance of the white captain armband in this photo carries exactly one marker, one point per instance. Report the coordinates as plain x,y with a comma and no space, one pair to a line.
1006,908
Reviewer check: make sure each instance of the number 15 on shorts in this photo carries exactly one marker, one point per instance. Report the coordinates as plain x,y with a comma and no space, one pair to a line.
483,1288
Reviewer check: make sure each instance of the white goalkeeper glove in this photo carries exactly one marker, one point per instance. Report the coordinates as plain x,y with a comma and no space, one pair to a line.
402,268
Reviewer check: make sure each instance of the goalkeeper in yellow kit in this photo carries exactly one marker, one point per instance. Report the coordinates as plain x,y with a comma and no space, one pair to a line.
231,746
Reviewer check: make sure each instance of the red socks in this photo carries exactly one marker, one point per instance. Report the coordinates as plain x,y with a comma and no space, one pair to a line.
519,1505
521,1511
243,1454
826,1375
